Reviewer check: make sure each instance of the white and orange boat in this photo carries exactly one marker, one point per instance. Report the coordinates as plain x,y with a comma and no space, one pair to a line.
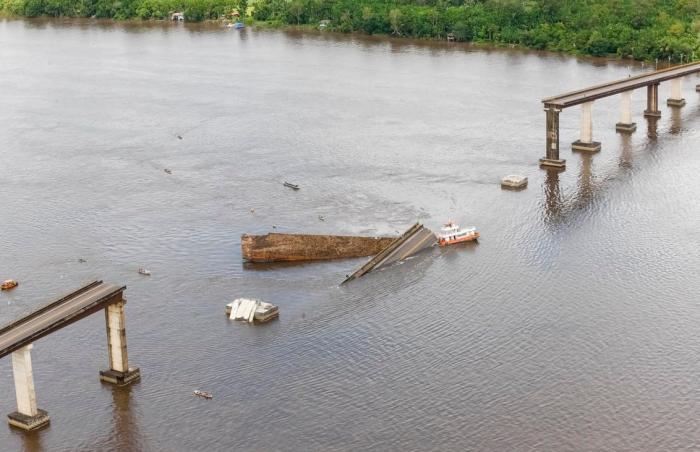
451,233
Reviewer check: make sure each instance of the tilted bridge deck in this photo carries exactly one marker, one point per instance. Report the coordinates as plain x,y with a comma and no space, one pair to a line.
619,86
58,314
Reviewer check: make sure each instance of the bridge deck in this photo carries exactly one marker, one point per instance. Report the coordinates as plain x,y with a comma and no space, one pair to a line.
58,314
608,89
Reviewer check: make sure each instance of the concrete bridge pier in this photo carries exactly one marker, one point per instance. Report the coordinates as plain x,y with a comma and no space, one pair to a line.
626,125
652,102
27,416
697,88
676,99
119,372
551,158
586,142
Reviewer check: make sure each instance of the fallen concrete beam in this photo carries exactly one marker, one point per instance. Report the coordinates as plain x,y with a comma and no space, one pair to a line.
276,247
417,238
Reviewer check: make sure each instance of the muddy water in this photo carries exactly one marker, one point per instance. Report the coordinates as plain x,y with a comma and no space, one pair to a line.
571,325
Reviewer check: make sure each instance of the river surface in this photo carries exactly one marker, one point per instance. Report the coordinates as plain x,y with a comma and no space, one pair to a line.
574,323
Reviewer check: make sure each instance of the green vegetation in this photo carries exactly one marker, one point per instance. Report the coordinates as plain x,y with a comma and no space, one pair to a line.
642,29
195,10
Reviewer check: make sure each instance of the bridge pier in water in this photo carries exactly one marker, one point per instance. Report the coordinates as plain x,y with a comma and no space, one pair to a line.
586,143
626,125
585,97
119,372
652,101
676,99
551,158
27,416
17,338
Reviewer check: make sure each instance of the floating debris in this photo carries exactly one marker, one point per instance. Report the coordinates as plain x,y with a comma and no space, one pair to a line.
179,137
168,171
204,394
514,181
322,218
252,311
252,210
81,260
145,272
451,233
291,185
9,284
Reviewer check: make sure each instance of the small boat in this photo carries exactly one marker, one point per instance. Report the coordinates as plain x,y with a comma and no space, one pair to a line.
291,185
252,311
145,272
206,395
9,284
168,171
451,233
238,25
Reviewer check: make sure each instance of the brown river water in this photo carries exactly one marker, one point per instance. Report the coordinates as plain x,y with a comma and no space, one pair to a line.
574,323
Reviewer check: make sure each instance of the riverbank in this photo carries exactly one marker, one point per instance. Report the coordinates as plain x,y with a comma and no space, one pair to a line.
645,31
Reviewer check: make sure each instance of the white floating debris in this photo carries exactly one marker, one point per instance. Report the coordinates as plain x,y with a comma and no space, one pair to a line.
251,310
206,395
514,181
145,272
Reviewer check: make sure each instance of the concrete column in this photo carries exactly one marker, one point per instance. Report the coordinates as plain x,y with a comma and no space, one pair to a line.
586,142
119,371
697,88
626,124
652,101
551,158
27,416
676,99
24,381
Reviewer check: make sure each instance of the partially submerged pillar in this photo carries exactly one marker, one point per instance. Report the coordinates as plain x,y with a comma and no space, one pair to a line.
27,416
119,372
697,88
652,101
586,143
551,158
676,99
626,125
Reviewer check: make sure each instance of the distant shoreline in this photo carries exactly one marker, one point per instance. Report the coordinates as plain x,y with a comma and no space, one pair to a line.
314,29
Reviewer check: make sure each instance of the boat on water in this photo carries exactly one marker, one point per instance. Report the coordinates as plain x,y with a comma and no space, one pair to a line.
291,185
252,311
206,395
451,233
8,284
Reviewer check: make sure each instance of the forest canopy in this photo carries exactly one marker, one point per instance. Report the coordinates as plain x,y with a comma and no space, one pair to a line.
642,29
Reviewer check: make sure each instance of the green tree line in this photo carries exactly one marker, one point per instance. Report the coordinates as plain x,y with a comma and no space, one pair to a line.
195,10
642,29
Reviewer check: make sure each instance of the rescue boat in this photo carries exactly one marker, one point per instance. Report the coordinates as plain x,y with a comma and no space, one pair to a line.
451,233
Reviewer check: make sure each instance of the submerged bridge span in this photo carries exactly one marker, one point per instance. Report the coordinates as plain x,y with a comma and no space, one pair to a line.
585,97
17,339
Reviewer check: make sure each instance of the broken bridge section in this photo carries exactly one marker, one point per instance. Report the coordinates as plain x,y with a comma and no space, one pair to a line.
17,339
414,240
